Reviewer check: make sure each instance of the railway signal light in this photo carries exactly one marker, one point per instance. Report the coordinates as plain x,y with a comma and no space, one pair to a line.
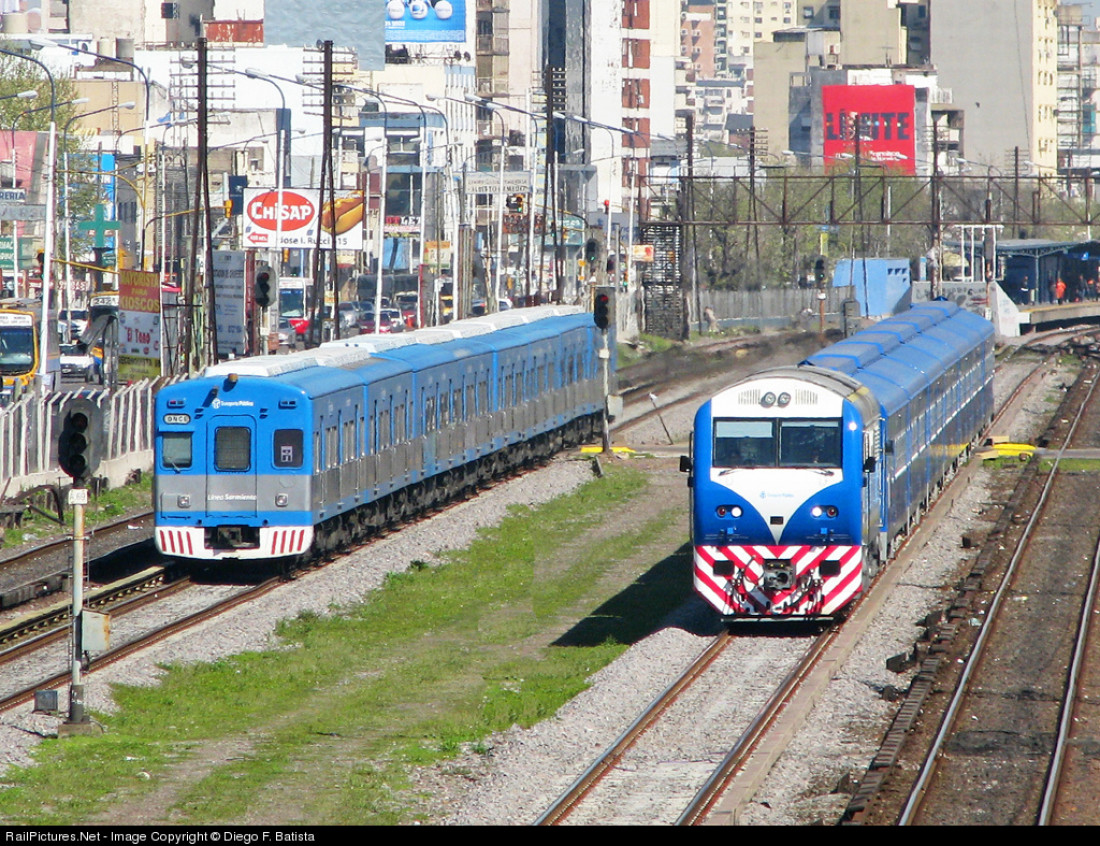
76,445
262,288
601,312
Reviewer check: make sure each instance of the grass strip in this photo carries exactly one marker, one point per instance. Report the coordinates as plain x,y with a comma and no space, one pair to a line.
326,730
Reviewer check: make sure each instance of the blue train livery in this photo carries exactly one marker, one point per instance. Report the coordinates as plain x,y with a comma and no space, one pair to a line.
301,455
803,478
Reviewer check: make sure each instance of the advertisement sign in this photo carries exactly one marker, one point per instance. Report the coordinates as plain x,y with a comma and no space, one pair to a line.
229,302
425,21
881,118
139,338
296,225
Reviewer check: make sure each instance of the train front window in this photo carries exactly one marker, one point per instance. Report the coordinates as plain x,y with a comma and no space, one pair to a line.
175,450
744,443
232,448
288,450
809,443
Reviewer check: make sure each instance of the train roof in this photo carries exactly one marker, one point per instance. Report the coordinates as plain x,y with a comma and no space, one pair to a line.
930,337
360,358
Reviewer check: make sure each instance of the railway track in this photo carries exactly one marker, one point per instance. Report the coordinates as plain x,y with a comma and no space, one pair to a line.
999,754
714,807
724,795
151,635
992,707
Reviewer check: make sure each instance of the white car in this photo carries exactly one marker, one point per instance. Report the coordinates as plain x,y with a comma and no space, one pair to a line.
75,361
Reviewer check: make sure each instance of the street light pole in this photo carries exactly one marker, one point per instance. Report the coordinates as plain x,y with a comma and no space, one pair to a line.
492,298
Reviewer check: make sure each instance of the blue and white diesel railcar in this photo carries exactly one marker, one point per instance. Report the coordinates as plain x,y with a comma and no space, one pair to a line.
802,478
303,454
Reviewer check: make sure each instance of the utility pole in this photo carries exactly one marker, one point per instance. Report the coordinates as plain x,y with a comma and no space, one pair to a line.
316,310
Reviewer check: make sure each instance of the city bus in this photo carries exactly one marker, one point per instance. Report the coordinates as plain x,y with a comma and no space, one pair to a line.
21,349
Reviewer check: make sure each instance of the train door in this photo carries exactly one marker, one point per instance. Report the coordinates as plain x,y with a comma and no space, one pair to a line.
231,486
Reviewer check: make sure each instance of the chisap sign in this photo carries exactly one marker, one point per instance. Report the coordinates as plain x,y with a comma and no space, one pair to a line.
294,223
874,122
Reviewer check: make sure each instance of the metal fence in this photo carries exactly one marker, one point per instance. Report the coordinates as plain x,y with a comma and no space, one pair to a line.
30,427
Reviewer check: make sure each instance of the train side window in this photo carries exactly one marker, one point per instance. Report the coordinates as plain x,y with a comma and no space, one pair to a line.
429,414
176,450
232,448
287,445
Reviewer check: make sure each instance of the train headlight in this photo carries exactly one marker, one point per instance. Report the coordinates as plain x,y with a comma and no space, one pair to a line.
282,500
824,511
768,400
183,501
784,400
731,510
817,511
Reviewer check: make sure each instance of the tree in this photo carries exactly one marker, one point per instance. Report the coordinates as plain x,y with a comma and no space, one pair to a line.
34,115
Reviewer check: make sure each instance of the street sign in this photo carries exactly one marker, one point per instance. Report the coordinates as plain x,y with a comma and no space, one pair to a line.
7,253
485,182
22,211
13,195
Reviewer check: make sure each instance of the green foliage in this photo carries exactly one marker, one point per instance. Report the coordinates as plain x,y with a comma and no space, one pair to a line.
34,115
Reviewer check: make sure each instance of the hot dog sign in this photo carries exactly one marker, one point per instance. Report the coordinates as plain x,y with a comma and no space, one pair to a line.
294,222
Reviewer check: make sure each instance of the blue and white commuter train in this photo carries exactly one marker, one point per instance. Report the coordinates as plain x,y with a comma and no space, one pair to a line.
802,478
301,455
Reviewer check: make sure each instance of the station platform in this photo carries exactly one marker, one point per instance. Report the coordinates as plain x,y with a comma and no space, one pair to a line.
1051,315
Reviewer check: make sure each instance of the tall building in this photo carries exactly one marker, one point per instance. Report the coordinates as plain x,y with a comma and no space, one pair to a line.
1005,82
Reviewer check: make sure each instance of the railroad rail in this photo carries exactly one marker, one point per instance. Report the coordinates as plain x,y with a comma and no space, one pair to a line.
145,640
886,787
1003,653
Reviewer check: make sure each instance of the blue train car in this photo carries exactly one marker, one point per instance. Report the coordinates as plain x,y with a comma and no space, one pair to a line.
802,478
303,454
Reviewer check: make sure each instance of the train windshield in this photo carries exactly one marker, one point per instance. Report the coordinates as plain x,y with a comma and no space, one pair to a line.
750,443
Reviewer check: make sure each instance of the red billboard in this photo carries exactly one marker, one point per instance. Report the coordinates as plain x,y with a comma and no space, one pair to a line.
874,122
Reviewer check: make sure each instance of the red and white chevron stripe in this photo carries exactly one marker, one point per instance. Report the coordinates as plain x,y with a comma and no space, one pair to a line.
188,542
810,594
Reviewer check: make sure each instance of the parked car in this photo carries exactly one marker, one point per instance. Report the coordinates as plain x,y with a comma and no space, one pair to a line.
409,304
477,307
397,319
349,316
77,361
387,324
285,331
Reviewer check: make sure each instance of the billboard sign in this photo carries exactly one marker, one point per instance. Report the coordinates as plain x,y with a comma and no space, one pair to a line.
139,339
875,122
425,21
296,225
346,23
229,302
